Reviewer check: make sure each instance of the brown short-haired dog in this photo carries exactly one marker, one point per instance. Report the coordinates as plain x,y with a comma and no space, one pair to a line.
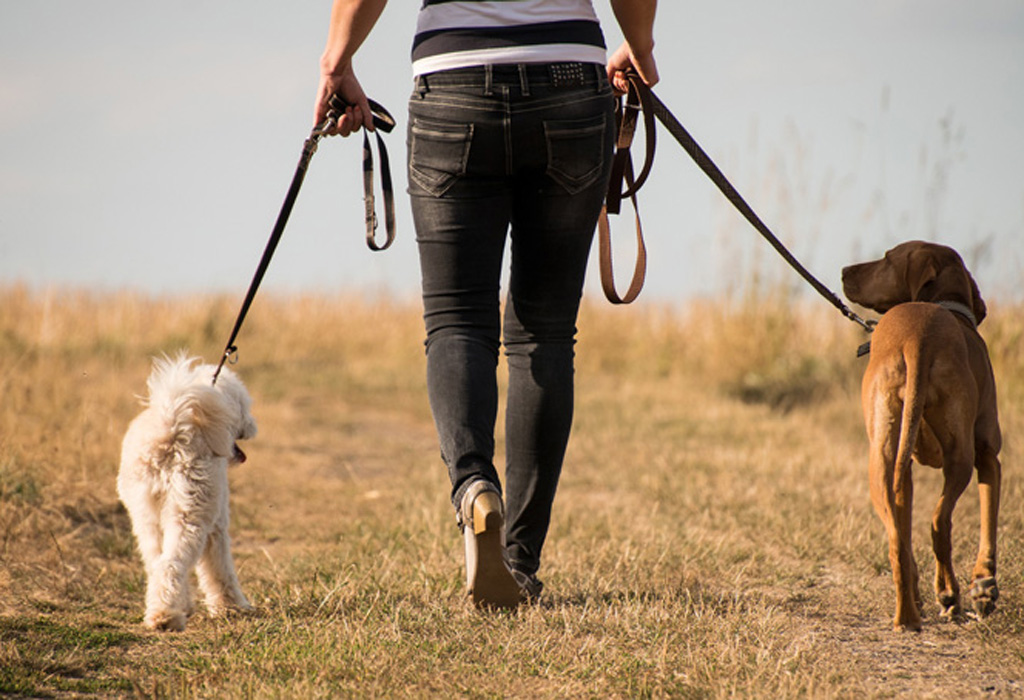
928,392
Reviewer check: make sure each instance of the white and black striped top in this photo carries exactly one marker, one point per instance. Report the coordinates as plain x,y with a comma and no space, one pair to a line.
461,33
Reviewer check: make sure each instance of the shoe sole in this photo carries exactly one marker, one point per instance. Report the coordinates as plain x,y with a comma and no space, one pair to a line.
492,585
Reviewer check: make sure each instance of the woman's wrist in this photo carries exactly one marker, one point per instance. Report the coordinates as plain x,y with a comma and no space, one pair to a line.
334,64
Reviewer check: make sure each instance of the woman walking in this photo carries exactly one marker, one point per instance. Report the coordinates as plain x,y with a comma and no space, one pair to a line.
511,135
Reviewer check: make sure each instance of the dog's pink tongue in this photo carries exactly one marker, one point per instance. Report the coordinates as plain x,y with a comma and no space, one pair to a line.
239,455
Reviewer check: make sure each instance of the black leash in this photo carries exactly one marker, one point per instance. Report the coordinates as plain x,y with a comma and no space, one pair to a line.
382,121
646,99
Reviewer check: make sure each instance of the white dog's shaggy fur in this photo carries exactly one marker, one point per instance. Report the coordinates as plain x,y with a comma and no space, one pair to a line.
173,481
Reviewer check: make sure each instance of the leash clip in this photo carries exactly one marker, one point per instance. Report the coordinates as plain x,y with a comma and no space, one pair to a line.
229,352
321,129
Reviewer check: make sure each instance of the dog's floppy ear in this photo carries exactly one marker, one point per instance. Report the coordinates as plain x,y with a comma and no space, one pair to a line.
214,416
201,411
938,273
977,303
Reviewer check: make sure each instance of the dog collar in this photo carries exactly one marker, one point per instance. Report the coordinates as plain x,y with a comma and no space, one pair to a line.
960,309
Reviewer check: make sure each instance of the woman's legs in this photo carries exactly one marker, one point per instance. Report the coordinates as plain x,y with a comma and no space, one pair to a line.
483,157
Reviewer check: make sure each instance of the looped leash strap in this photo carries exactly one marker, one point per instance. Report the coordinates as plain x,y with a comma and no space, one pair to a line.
382,121
605,250
637,102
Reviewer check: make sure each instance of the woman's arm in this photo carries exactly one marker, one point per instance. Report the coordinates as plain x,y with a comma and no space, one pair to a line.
636,19
351,22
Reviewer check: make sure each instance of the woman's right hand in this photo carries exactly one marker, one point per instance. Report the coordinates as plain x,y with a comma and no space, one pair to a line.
346,86
624,59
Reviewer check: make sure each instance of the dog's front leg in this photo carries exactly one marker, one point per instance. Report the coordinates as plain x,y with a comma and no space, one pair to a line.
217,576
216,569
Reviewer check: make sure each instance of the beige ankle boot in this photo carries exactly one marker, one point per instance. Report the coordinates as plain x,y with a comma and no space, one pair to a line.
488,579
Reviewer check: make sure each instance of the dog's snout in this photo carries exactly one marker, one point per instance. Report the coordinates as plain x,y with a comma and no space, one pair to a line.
849,277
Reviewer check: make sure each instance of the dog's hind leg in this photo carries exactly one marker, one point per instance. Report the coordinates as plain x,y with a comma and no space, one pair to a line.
168,594
895,515
145,517
984,591
957,471
908,614
892,490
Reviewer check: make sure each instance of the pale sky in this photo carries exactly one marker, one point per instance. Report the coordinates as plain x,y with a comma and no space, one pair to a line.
149,146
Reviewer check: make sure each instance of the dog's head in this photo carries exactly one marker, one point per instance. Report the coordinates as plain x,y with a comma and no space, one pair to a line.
236,396
203,418
913,271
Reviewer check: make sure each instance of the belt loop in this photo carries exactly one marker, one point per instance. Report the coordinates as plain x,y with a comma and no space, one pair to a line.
601,75
524,84
421,85
488,80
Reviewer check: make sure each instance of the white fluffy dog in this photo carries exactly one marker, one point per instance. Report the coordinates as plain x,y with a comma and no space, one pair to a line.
174,483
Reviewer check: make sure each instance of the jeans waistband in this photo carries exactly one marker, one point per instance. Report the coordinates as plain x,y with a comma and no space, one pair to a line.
521,75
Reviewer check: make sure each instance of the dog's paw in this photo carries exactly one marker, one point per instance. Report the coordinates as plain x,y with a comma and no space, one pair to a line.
165,621
950,604
907,620
984,594
224,608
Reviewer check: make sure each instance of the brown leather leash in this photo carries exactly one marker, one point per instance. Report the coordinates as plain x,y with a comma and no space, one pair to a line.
382,121
637,103
640,98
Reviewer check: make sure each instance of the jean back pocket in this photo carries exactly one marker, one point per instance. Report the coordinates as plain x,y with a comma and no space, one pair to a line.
438,154
576,151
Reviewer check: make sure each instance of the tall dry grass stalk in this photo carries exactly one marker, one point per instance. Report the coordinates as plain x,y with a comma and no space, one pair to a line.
712,536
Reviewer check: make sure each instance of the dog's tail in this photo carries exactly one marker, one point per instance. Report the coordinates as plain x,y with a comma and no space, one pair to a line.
913,412
180,392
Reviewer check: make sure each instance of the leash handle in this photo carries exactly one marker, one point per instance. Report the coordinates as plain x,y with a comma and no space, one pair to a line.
382,121
623,184
382,118
605,252
637,101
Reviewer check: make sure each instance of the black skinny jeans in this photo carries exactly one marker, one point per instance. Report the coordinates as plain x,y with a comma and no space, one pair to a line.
492,149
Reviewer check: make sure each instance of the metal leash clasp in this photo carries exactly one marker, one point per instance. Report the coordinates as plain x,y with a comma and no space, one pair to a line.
382,119
321,129
230,356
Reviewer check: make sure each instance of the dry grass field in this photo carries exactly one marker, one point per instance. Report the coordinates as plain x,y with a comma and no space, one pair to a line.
713,535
